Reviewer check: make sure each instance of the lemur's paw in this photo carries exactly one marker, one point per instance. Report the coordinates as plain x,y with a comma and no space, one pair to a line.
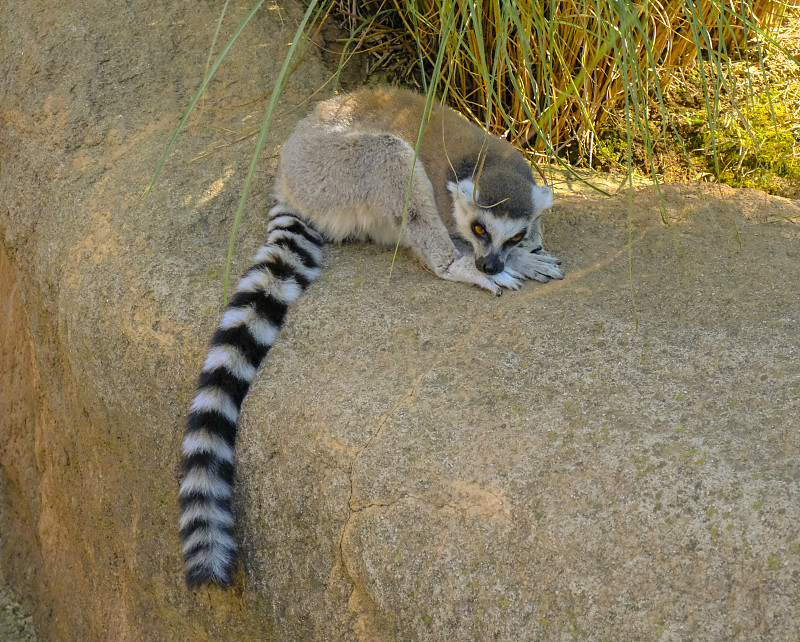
544,256
535,265
546,270
509,279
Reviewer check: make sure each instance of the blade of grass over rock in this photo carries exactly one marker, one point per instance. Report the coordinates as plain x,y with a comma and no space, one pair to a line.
216,35
428,102
199,93
622,60
300,36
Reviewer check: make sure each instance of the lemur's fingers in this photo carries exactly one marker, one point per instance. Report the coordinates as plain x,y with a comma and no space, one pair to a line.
542,255
547,269
509,278
536,266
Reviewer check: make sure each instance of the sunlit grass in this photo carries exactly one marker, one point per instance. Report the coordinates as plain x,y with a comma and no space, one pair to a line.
550,75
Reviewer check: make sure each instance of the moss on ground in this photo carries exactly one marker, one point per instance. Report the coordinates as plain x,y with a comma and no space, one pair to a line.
755,143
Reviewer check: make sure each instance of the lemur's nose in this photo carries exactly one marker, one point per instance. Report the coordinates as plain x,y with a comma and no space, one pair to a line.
490,264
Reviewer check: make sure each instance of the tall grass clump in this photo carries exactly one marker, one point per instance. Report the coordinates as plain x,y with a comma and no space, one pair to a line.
549,75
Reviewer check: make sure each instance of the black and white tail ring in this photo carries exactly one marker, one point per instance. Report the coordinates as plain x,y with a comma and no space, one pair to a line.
284,267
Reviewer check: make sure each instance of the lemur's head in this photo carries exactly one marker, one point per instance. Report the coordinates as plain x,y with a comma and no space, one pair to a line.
498,213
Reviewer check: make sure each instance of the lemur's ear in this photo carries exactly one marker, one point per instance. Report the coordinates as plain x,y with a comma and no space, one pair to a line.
542,198
464,190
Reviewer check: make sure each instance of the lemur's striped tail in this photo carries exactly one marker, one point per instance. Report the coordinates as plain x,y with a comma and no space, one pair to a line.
283,269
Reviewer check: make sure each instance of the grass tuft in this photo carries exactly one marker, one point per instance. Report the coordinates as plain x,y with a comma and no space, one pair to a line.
555,77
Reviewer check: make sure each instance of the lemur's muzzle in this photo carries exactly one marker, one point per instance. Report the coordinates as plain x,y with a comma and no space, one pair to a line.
491,264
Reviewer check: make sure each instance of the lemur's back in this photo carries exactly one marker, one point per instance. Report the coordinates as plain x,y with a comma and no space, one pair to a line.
450,142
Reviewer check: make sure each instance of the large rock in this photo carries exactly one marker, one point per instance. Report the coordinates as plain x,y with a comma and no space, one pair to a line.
612,455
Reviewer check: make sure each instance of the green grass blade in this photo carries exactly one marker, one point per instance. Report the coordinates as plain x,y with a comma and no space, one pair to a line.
445,35
199,93
262,138
216,35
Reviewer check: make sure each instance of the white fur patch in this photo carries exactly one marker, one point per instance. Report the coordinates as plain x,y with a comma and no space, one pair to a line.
465,210
236,316
502,229
465,189
204,482
213,537
201,441
213,398
280,218
286,291
269,251
231,358
256,281
264,281
262,330
311,273
208,512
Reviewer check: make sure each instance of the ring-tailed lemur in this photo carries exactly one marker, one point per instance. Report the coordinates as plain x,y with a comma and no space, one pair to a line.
472,214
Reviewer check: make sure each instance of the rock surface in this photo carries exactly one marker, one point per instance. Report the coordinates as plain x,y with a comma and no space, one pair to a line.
612,455
16,625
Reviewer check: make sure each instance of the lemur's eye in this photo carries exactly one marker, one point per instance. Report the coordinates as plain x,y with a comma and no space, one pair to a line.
478,229
515,239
